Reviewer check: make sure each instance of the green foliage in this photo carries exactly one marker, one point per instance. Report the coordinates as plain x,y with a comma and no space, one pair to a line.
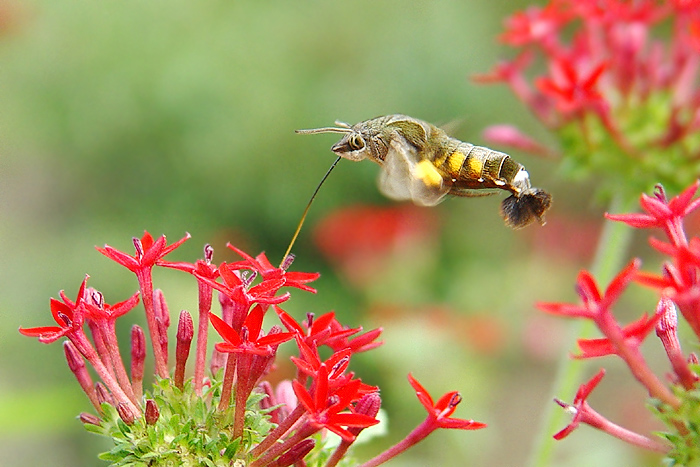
190,431
646,159
684,426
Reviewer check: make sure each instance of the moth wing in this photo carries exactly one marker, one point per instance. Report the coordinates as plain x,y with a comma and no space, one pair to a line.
405,175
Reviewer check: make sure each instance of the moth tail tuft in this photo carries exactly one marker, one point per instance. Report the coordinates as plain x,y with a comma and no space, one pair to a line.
520,211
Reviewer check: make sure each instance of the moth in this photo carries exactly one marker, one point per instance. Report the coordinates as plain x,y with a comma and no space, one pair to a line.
421,163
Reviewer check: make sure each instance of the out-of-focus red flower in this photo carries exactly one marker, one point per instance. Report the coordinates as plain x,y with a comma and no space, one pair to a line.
359,239
633,335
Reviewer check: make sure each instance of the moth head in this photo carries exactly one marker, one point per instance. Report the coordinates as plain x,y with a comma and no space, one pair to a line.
352,146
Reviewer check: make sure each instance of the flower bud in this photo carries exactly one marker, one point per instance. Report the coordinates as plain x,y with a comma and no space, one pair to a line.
152,412
125,413
185,333
295,454
89,419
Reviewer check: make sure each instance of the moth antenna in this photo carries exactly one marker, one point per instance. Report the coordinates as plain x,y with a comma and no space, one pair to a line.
329,129
308,205
342,124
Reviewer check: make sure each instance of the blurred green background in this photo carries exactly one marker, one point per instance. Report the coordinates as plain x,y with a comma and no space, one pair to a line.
172,116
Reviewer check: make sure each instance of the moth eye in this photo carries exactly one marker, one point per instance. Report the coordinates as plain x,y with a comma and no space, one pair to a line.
356,142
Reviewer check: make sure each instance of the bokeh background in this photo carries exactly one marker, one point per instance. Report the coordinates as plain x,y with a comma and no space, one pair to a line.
170,116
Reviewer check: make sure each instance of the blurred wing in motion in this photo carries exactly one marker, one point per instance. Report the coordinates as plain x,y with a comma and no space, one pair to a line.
405,175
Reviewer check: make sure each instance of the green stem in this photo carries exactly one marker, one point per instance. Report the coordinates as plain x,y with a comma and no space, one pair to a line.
610,256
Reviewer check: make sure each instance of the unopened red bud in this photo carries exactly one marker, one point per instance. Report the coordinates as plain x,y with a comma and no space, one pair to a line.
669,318
295,454
162,313
693,359
138,357
77,366
185,333
152,412
103,394
666,330
125,413
369,404
89,419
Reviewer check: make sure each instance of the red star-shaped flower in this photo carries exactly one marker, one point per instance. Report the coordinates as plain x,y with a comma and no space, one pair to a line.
250,339
68,315
264,267
633,335
580,408
148,252
325,406
440,412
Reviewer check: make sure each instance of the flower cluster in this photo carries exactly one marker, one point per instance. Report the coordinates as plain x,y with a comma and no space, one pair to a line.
679,287
232,415
616,80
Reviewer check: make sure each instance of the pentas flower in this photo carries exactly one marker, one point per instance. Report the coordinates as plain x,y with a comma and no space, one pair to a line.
69,315
580,408
572,90
327,330
663,213
149,253
681,274
250,340
236,412
633,335
595,70
440,412
678,287
240,289
582,412
623,342
264,267
325,407
439,416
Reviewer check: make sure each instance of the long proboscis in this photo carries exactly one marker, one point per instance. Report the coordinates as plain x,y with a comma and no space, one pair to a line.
308,205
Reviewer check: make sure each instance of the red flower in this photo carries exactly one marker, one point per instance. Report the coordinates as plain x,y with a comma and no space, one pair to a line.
594,304
324,406
68,315
580,408
535,25
440,413
663,213
326,330
148,252
572,90
264,267
633,335
239,288
97,310
249,340
360,239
